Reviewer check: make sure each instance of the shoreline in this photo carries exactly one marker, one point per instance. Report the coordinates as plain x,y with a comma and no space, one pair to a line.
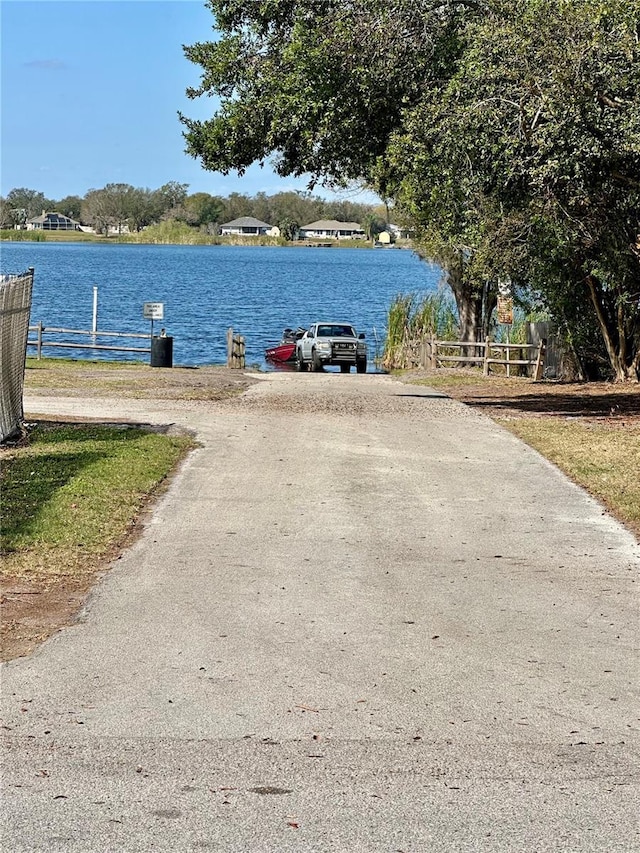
197,240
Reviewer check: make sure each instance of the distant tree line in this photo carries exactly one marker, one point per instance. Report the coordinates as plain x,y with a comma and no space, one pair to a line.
119,205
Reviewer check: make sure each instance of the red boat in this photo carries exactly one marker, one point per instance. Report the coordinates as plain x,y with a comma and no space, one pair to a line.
285,351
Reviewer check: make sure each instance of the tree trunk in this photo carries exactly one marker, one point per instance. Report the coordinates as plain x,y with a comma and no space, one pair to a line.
618,333
469,303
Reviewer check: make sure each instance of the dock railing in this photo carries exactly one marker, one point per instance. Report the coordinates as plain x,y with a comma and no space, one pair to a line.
433,353
42,332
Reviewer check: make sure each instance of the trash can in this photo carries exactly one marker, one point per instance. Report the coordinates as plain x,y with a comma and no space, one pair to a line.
161,351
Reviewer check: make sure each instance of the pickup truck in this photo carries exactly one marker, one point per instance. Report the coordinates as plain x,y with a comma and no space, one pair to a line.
331,343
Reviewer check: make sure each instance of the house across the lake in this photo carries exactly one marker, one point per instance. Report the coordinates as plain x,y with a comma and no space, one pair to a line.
53,222
245,226
331,229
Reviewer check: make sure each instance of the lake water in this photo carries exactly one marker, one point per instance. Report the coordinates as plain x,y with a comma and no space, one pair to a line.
257,290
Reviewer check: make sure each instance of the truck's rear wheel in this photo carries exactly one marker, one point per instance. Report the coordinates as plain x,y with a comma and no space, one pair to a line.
345,368
361,365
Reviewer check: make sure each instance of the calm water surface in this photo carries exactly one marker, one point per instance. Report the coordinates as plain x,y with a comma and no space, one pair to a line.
206,289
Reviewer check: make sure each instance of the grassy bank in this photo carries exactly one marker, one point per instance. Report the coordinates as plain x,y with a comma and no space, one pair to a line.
72,493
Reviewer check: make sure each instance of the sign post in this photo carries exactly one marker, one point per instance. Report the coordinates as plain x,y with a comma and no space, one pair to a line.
153,311
505,311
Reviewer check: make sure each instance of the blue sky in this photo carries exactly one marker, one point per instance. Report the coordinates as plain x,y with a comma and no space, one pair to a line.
90,95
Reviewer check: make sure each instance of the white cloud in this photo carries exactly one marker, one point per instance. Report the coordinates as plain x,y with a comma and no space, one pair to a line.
47,64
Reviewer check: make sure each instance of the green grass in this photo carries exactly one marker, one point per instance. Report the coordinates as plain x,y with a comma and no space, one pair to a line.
74,492
14,234
170,232
65,374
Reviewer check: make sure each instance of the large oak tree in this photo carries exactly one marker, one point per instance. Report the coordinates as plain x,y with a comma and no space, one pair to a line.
530,152
509,131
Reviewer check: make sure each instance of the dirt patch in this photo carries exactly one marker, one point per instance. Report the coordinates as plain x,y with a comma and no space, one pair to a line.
52,377
29,614
521,398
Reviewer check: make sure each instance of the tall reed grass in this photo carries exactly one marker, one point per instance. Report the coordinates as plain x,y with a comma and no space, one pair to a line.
169,232
411,318
14,234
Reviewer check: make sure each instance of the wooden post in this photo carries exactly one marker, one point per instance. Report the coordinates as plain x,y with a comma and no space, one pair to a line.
539,368
507,356
229,346
434,352
487,353
236,348
39,349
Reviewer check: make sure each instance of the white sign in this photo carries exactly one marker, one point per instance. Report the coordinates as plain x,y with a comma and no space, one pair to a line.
153,310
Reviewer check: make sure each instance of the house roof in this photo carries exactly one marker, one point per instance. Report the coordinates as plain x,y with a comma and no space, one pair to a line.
245,222
332,225
52,217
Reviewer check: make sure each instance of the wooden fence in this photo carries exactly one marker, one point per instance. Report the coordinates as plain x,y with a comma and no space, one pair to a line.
429,352
41,331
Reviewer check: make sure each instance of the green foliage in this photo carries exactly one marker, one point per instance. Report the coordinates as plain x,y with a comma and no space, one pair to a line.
129,209
373,224
399,319
537,128
24,204
70,206
288,228
202,209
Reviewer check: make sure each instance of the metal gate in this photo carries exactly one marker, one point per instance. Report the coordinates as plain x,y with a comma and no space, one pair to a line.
15,310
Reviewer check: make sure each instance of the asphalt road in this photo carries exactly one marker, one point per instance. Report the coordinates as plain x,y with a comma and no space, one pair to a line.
363,618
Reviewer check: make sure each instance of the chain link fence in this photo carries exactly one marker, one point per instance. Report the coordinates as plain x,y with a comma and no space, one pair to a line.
15,310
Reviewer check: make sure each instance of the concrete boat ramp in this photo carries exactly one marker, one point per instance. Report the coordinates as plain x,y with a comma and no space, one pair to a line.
363,618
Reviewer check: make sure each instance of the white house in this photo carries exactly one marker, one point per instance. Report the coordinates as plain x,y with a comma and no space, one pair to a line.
331,229
245,226
53,222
